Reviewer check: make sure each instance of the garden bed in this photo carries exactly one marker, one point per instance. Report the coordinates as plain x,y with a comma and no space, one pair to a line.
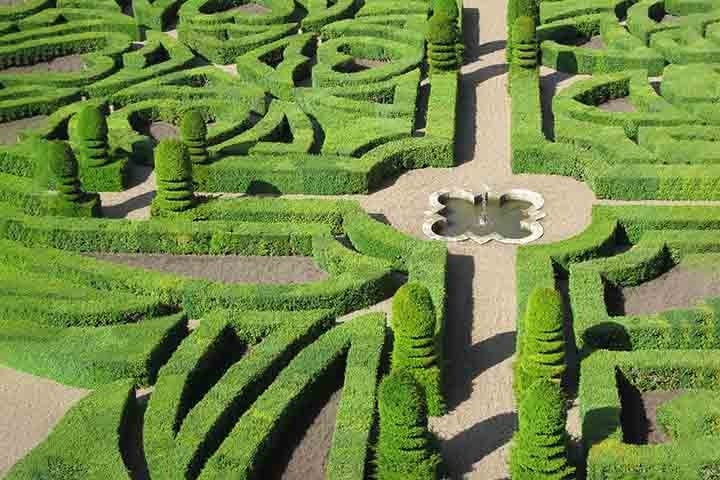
227,268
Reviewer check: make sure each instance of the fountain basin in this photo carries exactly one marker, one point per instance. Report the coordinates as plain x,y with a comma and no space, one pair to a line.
511,217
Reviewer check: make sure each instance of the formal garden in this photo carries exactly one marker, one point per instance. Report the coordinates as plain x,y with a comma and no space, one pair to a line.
284,239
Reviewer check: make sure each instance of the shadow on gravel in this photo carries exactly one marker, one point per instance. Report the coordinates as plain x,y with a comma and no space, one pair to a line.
480,440
467,360
465,138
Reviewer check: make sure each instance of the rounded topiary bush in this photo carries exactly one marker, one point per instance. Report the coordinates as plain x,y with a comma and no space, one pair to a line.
64,172
90,136
404,449
448,7
442,37
543,350
193,131
539,450
515,9
414,346
175,189
525,51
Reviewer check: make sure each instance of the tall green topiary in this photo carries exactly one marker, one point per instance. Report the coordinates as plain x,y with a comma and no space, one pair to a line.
194,135
404,449
90,137
543,350
64,172
414,347
174,177
525,50
539,450
515,9
448,7
442,38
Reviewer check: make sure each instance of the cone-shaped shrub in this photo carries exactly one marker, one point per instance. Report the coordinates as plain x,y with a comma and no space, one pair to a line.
91,137
414,347
539,449
543,350
525,50
448,7
194,135
64,173
515,9
442,38
404,448
174,177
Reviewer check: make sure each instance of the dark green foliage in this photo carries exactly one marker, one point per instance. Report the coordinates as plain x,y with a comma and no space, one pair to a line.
64,171
539,451
442,38
525,48
404,449
174,177
515,9
91,137
414,347
543,352
194,135
448,7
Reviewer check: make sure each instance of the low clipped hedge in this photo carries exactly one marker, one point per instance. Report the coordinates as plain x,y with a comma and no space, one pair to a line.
360,343
85,442
609,457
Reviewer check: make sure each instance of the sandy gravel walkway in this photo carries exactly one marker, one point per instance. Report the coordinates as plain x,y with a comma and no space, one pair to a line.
481,282
31,407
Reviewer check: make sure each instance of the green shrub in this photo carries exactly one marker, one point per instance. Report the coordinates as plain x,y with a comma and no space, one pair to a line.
91,137
515,9
448,7
404,449
414,348
543,349
525,49
442,38
64,171
174,177
539,451
194,135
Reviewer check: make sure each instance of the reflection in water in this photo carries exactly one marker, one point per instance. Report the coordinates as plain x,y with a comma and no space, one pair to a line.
484,217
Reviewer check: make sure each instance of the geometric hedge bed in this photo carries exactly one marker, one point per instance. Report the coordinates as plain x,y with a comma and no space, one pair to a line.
307,75
225,361
621,356
666,145
260,353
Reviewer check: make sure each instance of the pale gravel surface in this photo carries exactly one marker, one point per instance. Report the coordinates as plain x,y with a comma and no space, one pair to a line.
226,268
31,407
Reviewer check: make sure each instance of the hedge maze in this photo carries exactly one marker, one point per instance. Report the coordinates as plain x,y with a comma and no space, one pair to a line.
644,126
629,357
326,100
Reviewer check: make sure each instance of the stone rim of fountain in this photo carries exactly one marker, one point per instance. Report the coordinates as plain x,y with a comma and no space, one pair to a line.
532,223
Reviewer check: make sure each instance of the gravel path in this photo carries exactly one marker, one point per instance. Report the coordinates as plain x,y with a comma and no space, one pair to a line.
481,318
227,268
31,407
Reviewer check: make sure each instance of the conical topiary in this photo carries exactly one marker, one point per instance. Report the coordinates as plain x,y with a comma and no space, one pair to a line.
515,9
543,350
525,50
175,189
404,449
414,347
64,173
90,137
194,135
539,450
448,7
442,38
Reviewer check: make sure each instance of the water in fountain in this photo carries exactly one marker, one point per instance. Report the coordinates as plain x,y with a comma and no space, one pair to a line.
484,217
